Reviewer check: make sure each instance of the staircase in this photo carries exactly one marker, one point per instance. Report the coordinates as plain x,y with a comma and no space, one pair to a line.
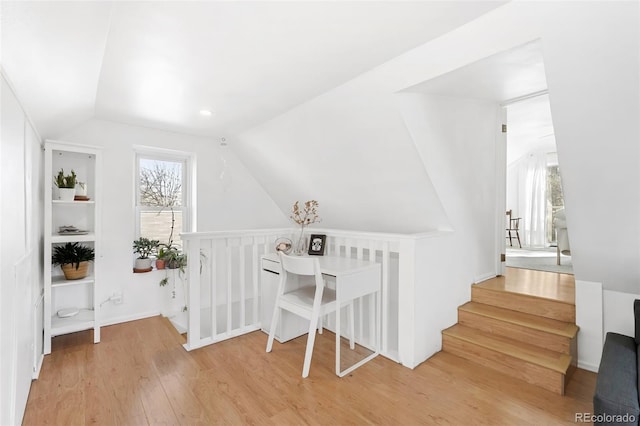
526,336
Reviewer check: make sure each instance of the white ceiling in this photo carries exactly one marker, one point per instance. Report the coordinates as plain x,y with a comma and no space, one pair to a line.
157,64
501,78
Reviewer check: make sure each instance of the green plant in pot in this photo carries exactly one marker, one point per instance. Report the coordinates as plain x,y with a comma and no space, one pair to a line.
66,185
144,247
161,257
175,259
74,259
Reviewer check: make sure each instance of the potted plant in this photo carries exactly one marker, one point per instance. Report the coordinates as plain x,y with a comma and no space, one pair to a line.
66,185
144,247
160,257
74,259
175,259
166,254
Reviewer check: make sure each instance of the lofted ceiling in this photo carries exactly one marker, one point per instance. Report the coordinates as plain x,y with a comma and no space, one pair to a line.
158,63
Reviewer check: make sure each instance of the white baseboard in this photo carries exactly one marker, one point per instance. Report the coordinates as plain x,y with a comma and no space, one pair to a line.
483,277
127,318
38,367
588,366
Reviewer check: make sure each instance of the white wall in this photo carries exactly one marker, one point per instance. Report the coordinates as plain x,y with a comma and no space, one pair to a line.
456,140
368,177
20,255
243,206
350,150
618,308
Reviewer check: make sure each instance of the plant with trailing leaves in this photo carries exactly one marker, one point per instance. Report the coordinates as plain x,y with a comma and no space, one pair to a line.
65,181
72,253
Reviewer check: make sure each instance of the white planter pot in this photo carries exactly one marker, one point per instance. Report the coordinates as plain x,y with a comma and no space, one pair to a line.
143,263
66,194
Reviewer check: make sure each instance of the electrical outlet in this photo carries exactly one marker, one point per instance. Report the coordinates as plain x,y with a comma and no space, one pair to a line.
117,298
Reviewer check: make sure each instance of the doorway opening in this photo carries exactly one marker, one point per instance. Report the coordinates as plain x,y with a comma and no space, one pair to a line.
534,189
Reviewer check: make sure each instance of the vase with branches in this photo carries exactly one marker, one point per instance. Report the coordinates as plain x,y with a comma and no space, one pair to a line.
304,215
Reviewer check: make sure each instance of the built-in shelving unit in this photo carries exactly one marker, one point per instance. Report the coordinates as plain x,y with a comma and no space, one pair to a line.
59,292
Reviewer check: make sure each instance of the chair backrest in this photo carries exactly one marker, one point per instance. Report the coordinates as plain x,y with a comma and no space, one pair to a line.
513,223
300,265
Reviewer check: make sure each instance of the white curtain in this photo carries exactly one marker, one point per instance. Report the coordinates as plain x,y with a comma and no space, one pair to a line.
526,196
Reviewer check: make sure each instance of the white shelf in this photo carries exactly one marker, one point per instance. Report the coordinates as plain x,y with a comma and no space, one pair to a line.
60,281
58,291
72,202
85,320
57,238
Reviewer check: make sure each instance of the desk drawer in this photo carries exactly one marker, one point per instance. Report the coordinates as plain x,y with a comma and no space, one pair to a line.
271,266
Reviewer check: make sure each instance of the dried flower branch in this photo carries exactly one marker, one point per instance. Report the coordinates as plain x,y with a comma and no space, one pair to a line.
307,215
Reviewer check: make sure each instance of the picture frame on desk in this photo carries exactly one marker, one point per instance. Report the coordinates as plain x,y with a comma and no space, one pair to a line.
316,244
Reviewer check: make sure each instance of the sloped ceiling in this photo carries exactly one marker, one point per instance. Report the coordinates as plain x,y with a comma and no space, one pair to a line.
510,78
157,64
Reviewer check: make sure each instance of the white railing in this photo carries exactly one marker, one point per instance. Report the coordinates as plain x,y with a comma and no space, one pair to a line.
223,295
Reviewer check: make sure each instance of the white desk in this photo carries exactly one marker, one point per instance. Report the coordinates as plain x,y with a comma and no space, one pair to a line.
354,279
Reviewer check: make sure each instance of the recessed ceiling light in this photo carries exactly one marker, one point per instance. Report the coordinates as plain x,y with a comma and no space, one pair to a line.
205,112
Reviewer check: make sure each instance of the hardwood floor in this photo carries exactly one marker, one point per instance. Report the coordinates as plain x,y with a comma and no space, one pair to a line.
141,375
547,285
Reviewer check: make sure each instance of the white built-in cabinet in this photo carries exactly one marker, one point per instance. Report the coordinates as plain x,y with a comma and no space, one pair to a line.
59,293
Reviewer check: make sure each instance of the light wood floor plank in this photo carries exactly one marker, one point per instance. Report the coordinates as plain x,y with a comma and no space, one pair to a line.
140,374
546,285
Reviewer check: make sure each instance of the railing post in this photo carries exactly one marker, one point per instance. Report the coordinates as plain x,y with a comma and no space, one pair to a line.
406,295
193,299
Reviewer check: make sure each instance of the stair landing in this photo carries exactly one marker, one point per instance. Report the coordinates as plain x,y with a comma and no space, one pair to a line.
545,294
546,285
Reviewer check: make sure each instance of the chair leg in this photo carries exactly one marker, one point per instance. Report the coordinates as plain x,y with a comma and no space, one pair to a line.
518,235
352,328
510,237
311,338
274,324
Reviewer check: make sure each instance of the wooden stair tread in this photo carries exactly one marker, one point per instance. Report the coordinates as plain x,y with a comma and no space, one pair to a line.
548,325
543,357
549,286
516,301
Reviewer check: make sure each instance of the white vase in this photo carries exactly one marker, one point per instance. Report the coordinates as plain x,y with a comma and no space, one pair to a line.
66,194
81,189
300,247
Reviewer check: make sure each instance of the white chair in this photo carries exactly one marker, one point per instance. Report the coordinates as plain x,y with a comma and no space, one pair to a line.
311,302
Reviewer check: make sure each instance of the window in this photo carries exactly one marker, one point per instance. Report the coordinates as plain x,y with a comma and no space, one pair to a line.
555,200
162,195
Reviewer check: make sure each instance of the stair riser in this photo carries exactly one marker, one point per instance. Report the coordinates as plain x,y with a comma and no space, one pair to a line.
523,303
514,367
516,332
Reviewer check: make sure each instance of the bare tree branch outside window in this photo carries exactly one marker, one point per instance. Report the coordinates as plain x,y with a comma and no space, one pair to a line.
160,183
161,187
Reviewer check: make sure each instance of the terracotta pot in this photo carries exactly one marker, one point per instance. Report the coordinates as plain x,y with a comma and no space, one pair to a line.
71,273
160,264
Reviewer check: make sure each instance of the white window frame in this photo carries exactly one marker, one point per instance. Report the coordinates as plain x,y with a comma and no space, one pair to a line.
188,161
